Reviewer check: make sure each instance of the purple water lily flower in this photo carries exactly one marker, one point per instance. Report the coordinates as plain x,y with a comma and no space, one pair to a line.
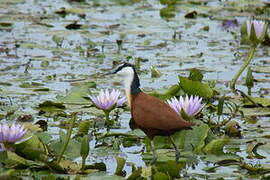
106,99
258,27
11,134
191,105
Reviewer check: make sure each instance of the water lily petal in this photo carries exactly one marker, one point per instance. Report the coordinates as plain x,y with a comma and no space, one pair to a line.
191,105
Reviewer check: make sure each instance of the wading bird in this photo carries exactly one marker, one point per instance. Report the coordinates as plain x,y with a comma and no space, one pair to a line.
149,113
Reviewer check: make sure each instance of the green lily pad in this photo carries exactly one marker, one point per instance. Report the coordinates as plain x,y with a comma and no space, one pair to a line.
174,90
265,102
216,146
120,165
195,87
258,111
50,106
77,93
228,157
32,148
73,148
101,176
171,167
261,69
192,140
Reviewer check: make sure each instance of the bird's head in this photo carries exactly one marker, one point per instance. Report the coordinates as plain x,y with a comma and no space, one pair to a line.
130,78
125,70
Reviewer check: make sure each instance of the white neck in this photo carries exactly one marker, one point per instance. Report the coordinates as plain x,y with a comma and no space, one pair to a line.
127,83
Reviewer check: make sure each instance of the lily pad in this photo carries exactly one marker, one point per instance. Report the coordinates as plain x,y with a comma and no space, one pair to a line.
265,102
50,106
261,69
73,148
77,93
192,140
196,88
216,146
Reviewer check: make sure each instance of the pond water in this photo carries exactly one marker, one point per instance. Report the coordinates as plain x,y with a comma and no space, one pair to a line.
48,48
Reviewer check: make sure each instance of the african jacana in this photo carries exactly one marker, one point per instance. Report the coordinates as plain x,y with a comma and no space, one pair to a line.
149,113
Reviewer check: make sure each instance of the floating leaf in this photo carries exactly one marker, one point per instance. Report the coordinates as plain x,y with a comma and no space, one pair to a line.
76,94
252,149
258,111
50,106
222,158
160,176
32,148
216,146
265,102
13,159
167,12
100,166
41,89
174,90
171,167
136,174
72,150
45,137
192,140
191,15
195,88
73,26
261,69
120,166
195,75
102,176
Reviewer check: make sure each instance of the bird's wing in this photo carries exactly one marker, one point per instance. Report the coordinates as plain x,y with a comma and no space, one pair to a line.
152,113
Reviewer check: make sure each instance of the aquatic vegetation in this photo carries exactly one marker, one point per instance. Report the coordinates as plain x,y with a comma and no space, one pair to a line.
108,100
53,55
256,32
191,105
10,134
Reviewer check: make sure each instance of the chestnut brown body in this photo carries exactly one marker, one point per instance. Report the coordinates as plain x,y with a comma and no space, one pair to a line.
155,117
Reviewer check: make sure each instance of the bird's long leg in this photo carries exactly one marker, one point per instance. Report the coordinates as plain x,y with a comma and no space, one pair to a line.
177,152
154,160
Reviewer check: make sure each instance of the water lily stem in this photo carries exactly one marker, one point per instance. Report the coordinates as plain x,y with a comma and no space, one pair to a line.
72,123
83,163
243,67
108,122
